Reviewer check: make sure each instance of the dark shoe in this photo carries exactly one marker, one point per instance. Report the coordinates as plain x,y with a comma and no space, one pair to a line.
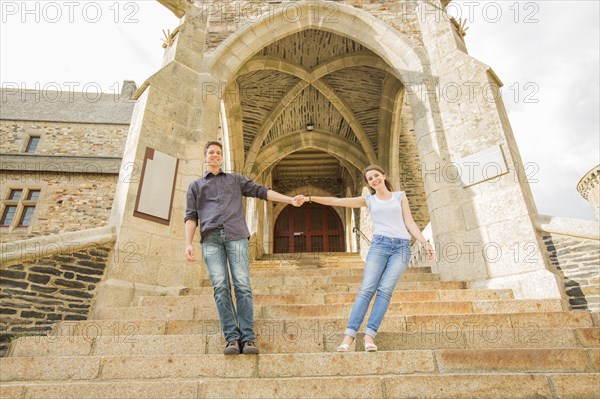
232,348
249,348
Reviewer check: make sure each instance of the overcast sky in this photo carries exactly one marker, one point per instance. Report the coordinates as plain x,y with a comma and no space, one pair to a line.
545,52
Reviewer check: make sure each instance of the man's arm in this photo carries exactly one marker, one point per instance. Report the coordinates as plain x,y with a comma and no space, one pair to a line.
190,230
275,196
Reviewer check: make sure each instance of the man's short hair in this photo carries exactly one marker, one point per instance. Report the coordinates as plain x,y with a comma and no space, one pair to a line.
212,143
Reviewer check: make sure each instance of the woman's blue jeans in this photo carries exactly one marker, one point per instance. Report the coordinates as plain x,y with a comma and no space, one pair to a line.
236,324
386,261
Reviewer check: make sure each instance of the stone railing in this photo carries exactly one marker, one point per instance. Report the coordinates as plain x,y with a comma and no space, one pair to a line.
573,247
41,247
50,279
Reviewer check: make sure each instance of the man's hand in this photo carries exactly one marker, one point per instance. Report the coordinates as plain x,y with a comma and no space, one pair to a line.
189,253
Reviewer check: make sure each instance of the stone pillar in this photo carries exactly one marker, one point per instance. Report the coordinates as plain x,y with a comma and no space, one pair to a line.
589,188
176,115
366,227
481,205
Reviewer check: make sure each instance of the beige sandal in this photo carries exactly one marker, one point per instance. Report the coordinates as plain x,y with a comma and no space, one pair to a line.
343,348
370,347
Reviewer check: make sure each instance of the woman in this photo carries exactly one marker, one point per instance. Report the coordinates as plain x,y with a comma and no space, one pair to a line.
388,255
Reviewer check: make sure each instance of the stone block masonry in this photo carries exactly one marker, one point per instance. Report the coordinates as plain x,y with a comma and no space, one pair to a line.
226,17
579,261
68,202
36,294
64,138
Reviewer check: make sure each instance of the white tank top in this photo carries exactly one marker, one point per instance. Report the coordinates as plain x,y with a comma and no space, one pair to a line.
386,216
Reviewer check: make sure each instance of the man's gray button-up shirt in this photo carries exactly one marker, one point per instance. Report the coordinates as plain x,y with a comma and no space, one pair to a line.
215,201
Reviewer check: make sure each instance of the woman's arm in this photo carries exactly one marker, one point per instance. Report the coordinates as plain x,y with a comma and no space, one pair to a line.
355,202
412,227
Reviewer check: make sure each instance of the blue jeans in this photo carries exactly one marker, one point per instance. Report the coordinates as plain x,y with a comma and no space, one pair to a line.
235,323
387,259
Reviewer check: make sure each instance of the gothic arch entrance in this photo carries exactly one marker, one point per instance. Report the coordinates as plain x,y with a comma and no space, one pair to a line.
309,228
309,84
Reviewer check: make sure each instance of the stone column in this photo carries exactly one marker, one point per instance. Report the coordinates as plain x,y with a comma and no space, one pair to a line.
482,209
174,115
589,188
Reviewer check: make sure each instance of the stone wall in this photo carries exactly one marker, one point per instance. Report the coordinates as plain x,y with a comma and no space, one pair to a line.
68,201
227,16
332,185
64,138
35,294
578,260
411,179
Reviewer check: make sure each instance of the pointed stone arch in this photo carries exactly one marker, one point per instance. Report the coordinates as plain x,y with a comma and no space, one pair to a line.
388,50
324,141
355,24
307,78
312,77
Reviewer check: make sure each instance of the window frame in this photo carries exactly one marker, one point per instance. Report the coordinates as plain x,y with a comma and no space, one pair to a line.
21,206
33,190
5,212
13,191
28,144
24,209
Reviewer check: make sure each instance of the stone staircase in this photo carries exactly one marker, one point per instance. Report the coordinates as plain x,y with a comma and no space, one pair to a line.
438,340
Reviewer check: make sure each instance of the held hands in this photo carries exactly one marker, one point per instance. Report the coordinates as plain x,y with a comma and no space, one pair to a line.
298,200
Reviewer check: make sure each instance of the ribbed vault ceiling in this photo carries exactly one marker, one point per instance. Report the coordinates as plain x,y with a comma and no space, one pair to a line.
294,90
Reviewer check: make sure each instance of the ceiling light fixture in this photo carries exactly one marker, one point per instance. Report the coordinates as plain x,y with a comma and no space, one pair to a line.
310,127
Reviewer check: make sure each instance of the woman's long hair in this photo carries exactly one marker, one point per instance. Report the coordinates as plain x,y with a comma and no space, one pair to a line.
388,185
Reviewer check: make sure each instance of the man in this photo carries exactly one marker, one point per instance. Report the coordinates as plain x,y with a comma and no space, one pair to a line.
215,200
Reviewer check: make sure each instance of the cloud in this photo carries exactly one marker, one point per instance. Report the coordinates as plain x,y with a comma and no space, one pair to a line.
550,71
557,55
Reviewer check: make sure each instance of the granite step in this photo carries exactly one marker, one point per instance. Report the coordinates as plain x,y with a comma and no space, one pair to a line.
260,281
333,325
322,271
333,288
274,341
420,386
332,310
322,298
569,360
174,389
415,308
308,260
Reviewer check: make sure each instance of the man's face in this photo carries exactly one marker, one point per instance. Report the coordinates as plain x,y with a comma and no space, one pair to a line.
214,155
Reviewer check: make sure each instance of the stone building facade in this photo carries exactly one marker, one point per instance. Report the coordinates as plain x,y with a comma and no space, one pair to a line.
60,158
303,96
64,149
362,82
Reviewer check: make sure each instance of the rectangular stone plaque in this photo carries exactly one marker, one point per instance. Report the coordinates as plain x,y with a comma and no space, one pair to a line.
481,166
157,187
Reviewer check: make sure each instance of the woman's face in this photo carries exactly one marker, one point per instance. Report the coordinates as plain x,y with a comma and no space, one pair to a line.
375,178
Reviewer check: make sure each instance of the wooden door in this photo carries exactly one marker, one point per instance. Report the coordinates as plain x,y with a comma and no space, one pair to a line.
310,228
